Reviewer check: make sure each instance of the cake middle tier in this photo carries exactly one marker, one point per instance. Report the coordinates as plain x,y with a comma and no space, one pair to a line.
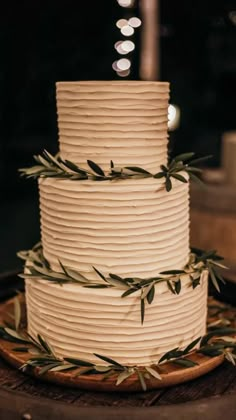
130,228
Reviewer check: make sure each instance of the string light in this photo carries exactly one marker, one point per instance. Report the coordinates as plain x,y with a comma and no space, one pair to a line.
134,22
115,67
126,3
127,30
128,46
123,73
123,64
121,22
116,45
120,49
126,26
124,47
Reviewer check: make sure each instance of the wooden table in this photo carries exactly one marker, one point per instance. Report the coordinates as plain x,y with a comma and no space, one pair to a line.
21,397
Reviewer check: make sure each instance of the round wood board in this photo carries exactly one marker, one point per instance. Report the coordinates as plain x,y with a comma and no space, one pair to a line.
171,374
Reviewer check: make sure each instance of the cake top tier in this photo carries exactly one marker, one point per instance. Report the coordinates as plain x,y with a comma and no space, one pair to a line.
123,121
106,85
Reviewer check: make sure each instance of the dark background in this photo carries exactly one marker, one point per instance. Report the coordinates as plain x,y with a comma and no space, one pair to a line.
44,42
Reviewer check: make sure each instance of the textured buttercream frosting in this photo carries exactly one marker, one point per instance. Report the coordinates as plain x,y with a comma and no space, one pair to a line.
78,322
129,227
124,121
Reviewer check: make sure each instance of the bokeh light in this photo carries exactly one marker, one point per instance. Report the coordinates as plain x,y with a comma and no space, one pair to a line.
123,64
128,46
114,66
232,16
116,45
123,73
121,22
124,47
126,3
173,117
120,49
135,22
127,30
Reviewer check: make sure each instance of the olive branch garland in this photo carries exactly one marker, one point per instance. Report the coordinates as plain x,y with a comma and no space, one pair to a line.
199,261
215,343
55,166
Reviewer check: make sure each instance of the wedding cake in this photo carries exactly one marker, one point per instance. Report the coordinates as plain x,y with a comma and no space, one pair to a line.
131,227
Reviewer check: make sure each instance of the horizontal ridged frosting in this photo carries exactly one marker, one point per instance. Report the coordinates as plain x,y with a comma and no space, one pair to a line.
123,121
78,322
131,227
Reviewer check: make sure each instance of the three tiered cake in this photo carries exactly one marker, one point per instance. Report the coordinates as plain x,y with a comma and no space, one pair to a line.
130,227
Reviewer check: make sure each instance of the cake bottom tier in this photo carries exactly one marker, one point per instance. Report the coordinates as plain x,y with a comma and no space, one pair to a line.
78,321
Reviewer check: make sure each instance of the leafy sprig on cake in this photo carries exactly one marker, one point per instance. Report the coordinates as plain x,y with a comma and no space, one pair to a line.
41,356
37,267
54,166
181,163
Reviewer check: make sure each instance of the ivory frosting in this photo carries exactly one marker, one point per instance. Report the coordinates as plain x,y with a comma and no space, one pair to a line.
132,228
123,121
78,322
